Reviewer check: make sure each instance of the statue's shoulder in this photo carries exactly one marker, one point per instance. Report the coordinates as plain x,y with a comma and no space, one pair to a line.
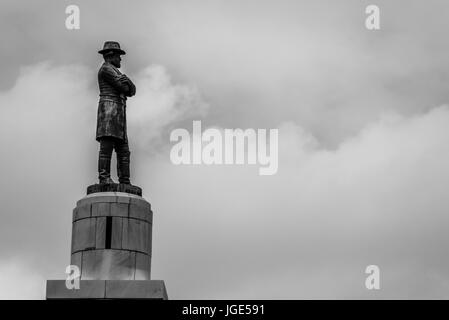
102,69
108,68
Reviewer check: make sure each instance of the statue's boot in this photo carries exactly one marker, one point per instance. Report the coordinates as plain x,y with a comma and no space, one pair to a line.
123,169
104,171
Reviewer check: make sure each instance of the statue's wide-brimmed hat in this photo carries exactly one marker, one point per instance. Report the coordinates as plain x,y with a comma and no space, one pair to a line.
111,47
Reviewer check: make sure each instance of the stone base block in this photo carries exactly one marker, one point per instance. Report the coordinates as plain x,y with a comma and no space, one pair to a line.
108,289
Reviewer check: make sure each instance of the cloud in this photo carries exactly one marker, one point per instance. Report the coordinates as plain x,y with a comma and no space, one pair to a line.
159,104
311,230
18,280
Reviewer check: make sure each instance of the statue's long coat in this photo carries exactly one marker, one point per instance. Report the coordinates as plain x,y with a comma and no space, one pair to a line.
114,88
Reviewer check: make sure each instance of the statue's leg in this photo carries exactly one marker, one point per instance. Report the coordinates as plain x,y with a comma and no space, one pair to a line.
104,160
123,159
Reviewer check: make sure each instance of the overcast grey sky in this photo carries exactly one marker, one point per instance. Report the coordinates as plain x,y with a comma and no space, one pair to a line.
363,122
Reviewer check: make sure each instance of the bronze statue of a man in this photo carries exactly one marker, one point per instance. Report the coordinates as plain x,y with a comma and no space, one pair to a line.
115,87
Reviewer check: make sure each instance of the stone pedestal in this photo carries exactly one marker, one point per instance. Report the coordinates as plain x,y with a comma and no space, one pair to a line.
111,246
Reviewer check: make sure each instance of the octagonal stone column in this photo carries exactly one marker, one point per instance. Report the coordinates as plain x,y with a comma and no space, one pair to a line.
111,237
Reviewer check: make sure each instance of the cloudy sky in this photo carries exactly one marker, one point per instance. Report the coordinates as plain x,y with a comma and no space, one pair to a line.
363,121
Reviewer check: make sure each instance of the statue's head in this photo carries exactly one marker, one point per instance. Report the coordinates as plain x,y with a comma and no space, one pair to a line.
111,53
113,58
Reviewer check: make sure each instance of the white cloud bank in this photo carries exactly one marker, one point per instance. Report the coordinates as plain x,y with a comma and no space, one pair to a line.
160,103
19,281
381,198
